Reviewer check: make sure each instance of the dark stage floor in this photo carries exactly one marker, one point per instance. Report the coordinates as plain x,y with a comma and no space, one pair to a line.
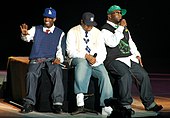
161,90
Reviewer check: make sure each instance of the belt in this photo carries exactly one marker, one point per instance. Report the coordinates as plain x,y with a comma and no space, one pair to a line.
40,60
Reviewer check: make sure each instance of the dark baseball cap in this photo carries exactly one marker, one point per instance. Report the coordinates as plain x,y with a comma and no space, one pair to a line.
88,19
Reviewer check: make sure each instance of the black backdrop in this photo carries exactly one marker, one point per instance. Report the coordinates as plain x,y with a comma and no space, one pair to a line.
147,21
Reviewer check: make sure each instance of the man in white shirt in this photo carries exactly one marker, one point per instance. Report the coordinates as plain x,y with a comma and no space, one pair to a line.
124,62
85,47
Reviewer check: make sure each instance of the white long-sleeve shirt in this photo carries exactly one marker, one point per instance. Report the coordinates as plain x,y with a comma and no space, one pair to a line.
75,45
30,37
113,39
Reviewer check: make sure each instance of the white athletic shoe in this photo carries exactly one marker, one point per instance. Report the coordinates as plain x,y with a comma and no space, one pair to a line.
106,111
80,99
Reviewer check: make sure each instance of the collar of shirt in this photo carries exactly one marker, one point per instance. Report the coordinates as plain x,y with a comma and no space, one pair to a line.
51,29
83,32
113,24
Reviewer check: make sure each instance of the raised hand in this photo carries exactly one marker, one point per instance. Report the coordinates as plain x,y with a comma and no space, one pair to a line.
24,29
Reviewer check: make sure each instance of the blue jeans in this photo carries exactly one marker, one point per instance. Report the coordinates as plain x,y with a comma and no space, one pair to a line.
83,73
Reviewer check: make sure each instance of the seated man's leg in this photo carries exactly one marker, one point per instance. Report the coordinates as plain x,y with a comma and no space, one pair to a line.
81,83
143,84
105,89
124,81
57,95
34,72
114,82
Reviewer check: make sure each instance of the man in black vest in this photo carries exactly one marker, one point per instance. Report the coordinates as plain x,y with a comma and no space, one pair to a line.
124,63
47,52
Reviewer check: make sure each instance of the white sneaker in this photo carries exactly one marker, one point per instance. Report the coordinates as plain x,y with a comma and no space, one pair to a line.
80,99
106,111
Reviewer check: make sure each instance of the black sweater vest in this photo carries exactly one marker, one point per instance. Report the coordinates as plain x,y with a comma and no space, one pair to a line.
121,50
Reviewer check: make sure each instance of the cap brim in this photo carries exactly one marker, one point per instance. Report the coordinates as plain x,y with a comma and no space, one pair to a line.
90,23
49,16
123,12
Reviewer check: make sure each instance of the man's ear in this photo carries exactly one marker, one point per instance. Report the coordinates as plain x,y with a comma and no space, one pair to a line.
109,16
82,22
54,19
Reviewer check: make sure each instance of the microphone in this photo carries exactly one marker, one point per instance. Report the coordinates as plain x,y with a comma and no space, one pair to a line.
126,29
95,55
